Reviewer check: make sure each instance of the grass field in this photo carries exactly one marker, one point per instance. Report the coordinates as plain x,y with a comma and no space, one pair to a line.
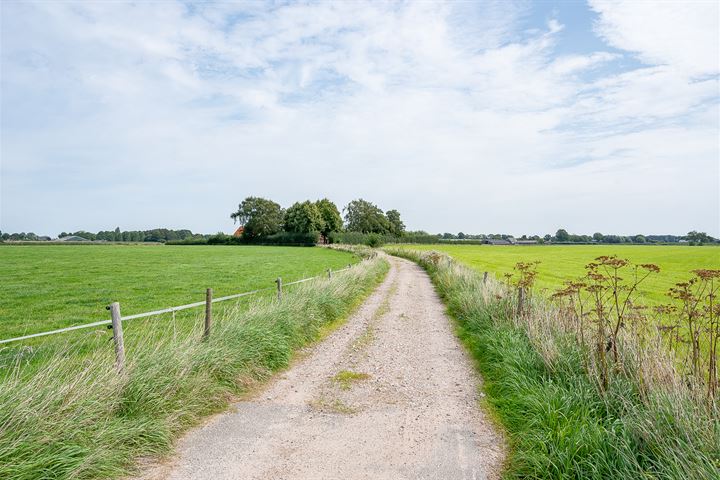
49,287
564,262
72,416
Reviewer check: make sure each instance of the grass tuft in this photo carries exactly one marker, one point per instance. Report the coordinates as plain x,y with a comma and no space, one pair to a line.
346,378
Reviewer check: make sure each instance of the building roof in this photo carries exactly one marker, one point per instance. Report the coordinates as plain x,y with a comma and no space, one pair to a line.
494,241
73,238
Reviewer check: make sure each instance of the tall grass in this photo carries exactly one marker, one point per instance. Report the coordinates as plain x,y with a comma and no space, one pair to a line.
544,388
80,419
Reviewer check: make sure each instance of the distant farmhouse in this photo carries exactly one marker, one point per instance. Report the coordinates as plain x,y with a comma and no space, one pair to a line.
498,241
508,241
240,230
72,238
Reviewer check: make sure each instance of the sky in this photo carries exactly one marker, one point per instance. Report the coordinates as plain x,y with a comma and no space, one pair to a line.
481,117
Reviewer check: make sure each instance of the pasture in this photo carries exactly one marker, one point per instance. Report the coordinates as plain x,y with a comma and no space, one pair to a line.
565,262
45,287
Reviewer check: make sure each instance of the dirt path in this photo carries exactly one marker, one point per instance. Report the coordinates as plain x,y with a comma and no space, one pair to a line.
390,395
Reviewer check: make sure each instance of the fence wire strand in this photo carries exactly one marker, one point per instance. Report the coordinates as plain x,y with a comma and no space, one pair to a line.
160,312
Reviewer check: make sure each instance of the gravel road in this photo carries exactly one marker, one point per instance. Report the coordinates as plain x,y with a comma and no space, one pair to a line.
390,395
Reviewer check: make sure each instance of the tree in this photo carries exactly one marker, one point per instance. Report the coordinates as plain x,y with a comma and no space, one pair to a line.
547,237
303,218
397,227
365,217
461,235
259,216
562,235
698,238
598,237
332,221
639,239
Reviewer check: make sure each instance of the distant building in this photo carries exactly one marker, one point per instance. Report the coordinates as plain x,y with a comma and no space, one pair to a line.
496,241
44,238
72,238
239,231
526,242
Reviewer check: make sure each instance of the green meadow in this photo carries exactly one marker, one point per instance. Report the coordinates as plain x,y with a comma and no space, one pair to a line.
564,262
46,287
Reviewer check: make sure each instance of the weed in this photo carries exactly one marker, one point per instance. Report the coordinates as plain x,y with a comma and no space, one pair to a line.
346,378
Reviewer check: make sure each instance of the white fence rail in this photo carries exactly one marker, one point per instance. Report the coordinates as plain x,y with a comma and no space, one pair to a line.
208,301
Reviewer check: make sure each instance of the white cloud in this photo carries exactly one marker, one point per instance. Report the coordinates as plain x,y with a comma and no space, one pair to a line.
683,34
452,113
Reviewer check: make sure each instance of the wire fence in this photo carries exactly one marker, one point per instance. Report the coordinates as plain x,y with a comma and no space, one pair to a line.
116,319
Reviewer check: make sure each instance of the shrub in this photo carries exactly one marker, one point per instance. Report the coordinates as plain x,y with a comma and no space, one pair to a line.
282,239
373,240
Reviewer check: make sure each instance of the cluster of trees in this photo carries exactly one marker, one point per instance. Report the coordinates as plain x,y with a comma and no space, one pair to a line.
155,235
482,236
365,217
19,237
263,218
700,238
562,236
694,238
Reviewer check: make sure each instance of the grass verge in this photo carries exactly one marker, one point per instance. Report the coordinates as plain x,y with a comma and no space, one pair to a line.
541,387
80,419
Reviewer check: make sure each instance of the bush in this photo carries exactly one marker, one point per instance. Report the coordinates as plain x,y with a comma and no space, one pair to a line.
358,238
289,239
373,240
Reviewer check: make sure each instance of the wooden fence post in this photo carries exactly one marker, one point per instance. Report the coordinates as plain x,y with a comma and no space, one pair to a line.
208,312
485,275
279,288
329,272
117,335
521,300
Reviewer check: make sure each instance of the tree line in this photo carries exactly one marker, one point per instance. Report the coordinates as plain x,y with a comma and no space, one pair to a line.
154,235
307,222
562,236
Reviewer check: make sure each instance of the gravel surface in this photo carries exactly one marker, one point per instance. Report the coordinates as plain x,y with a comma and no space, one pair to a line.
390,395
